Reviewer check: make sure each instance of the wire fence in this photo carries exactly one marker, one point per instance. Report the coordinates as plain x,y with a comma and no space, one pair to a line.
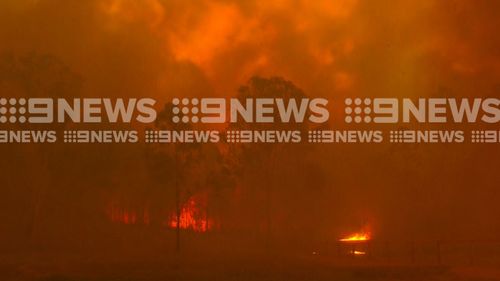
422,252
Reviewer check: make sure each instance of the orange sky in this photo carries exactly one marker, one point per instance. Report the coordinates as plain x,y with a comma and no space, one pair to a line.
328,48
333,49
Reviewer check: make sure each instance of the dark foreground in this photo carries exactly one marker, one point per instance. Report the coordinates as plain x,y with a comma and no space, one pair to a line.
259,268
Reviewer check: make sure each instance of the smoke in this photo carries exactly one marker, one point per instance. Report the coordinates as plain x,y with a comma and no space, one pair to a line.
326,47
329,49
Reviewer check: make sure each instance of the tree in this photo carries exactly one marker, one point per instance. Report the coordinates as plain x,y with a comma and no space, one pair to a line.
173,162
28,76
258,165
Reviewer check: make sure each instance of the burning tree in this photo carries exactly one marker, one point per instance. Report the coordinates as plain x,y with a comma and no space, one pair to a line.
198,173
172,164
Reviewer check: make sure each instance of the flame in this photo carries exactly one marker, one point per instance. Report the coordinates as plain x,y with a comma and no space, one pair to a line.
191,217
359,236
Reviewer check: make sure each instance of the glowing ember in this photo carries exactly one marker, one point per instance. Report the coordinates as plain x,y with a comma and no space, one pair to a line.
358,253
123,216
191,217
362,236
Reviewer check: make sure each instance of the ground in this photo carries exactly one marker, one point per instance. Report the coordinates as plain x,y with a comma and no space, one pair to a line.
59,268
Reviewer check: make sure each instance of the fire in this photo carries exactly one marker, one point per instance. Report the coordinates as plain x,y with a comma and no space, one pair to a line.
191,217
360,236
357,243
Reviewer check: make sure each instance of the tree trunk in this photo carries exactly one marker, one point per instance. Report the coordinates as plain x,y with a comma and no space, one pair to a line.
177,216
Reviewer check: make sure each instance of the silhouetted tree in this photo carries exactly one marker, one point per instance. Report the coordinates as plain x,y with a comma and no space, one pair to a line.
173,162
259,165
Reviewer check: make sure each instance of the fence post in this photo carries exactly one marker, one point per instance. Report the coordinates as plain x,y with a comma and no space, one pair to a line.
438,252
412,251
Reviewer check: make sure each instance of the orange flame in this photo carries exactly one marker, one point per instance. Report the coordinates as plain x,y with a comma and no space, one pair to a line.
191,217
359,236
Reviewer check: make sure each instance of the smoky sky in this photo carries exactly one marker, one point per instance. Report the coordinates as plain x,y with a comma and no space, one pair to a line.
327,48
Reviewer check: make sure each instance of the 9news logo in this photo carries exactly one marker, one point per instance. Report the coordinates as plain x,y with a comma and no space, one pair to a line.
77,110
357,110
249,110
